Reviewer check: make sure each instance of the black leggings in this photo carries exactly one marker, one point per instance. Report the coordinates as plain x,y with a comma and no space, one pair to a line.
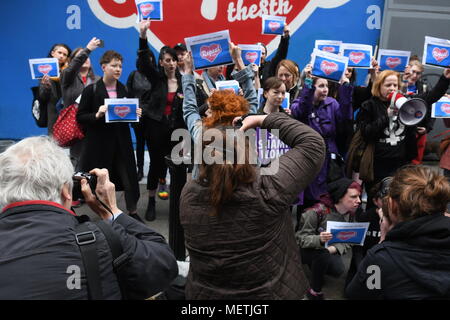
158,136
139,132
130,197
321,262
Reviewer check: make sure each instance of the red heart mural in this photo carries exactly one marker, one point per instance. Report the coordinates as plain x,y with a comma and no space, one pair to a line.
440,54
241,17
146,9
356,57
251,56
122,111
393,62
45,68
210,52
328,49
445,107
345,235
328,67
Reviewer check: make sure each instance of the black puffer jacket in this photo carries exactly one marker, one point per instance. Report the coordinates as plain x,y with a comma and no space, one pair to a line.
37,247
414,262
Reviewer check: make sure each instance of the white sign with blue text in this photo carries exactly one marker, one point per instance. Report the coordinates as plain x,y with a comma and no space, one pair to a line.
328,65
228,85
210,49
347,232
436,52
395,60
121,110
44,67
273,24
251,54
359,55
441,109
149,10
328,46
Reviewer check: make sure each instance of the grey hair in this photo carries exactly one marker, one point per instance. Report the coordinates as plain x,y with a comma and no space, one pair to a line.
35,168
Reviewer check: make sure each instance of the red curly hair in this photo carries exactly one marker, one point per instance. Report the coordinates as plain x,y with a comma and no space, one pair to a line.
225,106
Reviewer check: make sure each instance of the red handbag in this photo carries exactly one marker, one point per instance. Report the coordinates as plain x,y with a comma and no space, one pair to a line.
66,130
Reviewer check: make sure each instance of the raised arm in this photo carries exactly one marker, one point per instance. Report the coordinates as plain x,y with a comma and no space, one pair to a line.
69,74
146,63
281,54
301,108
191,114
245,78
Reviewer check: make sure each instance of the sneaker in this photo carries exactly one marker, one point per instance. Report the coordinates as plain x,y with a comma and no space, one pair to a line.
76,204
163,193
311,295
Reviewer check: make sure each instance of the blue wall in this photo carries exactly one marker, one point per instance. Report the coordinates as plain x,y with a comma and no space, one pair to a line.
31,32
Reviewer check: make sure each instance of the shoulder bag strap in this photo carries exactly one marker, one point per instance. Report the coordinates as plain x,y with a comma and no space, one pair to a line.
119,257
86,241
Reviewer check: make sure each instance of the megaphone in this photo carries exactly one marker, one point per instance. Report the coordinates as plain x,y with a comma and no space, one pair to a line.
410,111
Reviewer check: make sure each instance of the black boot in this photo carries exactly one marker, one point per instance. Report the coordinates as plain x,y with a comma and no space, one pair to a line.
150,213
140,173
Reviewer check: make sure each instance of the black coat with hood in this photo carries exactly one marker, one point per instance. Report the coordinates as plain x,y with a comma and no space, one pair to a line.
414,262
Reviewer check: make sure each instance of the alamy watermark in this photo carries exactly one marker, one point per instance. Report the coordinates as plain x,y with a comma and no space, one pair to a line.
228,146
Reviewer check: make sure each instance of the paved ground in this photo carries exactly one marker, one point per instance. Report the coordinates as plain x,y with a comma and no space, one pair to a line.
333,287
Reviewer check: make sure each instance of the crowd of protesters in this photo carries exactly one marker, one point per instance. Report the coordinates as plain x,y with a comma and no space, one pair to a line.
242,241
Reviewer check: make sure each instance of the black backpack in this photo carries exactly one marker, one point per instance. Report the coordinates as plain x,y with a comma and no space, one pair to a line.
38,109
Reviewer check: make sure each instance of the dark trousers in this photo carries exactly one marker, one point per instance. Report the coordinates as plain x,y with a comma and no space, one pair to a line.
130,197
382,168
321,262
139,132
158,136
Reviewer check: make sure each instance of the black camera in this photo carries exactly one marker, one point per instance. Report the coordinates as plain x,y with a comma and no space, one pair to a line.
77,177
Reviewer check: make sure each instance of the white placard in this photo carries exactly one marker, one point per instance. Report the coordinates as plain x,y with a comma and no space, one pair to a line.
436,52
44,66
330,46
347,232
328,65
359,55
121,110
209,50
273,24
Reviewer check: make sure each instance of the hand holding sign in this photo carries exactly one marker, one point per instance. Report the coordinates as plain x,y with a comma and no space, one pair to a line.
101,112
144,25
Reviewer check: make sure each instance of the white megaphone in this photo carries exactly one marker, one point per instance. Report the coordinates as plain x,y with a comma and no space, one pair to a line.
410,111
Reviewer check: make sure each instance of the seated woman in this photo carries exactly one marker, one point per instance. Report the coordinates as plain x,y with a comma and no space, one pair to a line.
413,259
339,205
237,224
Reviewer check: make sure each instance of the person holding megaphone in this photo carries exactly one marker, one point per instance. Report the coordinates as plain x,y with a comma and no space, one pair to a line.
388,123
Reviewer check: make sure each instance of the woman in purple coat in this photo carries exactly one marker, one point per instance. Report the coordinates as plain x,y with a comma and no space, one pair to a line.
324,114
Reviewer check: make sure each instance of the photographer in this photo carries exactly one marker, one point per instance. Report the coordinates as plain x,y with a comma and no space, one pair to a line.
39,254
